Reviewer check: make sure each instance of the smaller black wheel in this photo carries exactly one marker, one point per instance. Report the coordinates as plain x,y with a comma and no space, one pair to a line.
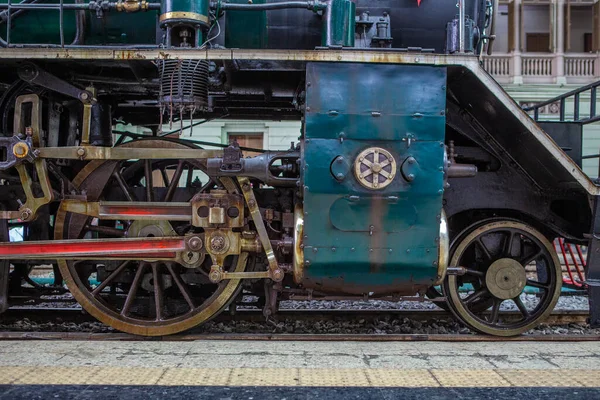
502,259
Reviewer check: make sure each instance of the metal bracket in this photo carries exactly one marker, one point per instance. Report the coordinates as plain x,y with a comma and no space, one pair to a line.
29,72
275,273
23,149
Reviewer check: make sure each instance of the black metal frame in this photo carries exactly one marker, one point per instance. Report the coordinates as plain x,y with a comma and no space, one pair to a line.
562,99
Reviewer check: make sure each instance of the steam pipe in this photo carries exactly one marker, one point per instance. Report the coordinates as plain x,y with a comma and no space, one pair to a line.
308,4
461,26
492,38
77,7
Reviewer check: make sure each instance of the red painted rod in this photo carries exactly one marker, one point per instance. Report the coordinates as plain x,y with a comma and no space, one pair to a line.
156,247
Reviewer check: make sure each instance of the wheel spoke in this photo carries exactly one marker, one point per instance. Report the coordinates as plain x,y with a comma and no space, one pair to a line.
475,296
509,244
165,177
537,284
123,185
181,285
495,311
485,250
133,289
174,182
526,260
190,176
517,300
148,178
207,186
106,230
110,278
158,292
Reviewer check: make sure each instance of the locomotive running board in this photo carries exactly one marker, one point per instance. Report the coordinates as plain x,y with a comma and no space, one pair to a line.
155,248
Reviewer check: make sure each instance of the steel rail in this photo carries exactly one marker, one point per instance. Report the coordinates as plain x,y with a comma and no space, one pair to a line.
559,317
275,337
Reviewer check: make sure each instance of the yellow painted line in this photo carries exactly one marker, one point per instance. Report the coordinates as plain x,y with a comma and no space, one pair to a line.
301,377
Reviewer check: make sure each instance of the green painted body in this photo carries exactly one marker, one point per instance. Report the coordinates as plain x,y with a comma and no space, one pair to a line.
42,27
343,24
359,240
246,30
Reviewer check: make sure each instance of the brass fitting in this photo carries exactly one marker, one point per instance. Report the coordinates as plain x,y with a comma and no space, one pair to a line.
132,6
21,150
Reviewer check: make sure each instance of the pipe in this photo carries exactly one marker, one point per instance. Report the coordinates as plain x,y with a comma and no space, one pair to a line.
79,22
461,26
308,4
492,35
79,27
462,171
77,7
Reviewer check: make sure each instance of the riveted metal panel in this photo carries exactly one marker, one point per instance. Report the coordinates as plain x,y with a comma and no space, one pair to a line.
359,239
383,103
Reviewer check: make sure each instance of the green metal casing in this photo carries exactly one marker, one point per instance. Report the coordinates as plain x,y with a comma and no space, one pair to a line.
42,27
246,30
341,27
358,240
196,11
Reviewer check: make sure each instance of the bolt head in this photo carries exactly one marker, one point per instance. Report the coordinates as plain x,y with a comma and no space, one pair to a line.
215,275
25,214
217,243
195,243
277,275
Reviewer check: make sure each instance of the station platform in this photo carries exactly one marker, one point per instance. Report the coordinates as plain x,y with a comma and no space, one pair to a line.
298,370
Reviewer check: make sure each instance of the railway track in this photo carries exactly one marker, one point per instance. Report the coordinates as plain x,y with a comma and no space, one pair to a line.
41,315
79,336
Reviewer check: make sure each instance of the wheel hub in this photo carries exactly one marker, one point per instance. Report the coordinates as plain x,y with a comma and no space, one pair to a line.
506,278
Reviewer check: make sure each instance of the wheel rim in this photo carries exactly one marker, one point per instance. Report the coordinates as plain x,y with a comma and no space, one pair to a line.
502,259
156,301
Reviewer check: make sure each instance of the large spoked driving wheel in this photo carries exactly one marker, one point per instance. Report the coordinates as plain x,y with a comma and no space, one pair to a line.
509,267
139,296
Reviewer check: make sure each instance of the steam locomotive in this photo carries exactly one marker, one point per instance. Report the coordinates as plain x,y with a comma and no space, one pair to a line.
414,175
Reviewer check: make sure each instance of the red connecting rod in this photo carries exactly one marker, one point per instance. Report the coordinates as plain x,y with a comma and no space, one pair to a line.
156,248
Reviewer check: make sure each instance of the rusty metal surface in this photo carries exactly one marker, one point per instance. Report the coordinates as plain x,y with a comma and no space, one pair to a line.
366,56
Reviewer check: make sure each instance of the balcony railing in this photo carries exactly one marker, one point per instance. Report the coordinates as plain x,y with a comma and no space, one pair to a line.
544,68
581,68
537,68
499,66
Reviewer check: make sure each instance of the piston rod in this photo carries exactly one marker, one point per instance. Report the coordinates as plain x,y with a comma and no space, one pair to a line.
156,248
